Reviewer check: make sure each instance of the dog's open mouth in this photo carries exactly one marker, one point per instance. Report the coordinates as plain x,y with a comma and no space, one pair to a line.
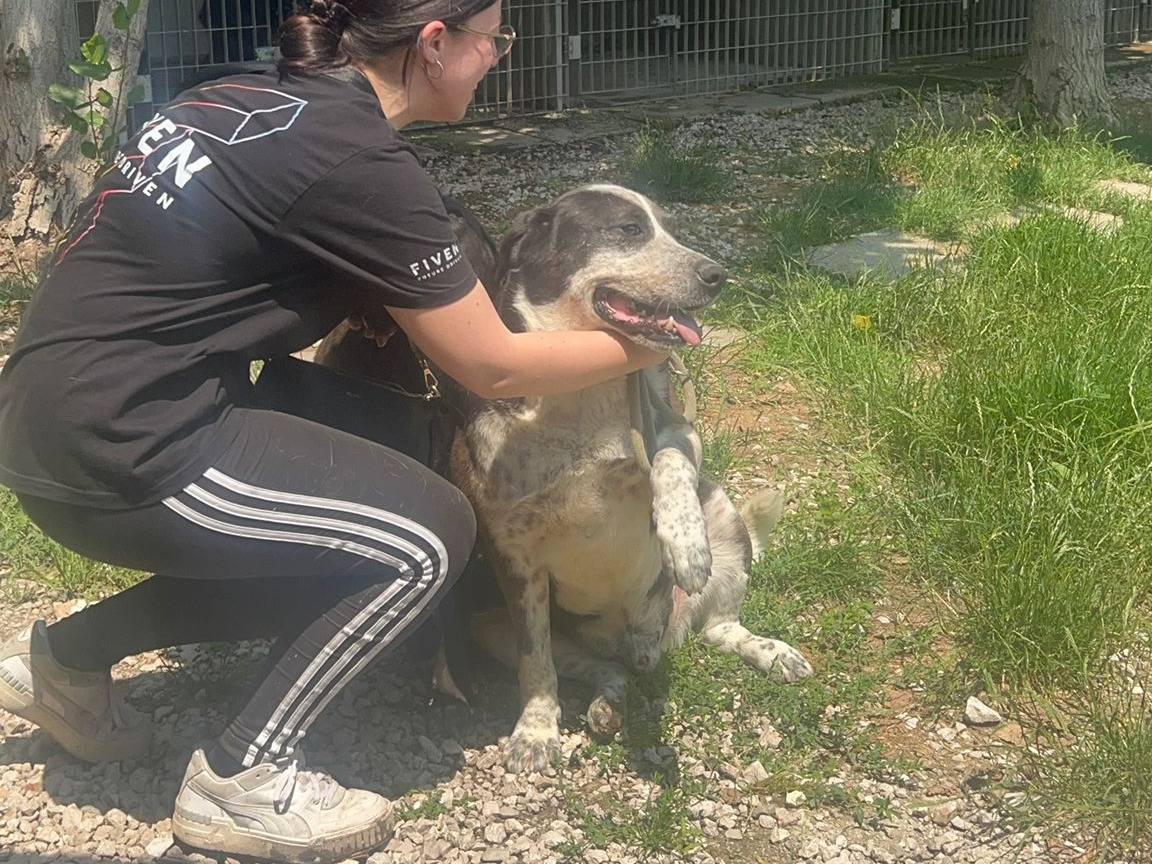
632,316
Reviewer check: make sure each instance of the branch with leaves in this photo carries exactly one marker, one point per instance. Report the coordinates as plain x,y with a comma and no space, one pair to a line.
93,111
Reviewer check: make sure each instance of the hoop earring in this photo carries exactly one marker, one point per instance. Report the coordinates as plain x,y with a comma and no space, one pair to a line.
432,77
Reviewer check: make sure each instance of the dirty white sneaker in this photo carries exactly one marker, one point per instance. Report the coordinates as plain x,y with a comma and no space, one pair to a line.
278,811
80,710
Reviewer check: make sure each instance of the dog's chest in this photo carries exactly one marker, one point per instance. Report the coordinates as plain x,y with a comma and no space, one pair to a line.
563,492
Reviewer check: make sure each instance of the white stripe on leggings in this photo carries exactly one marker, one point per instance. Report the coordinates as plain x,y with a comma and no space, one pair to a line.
374,513
345,633
255,514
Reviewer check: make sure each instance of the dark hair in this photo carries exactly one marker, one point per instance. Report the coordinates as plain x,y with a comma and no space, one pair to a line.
332,34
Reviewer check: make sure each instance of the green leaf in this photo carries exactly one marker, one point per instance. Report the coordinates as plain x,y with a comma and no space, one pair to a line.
109,144
78,123
121,20
136,94
133,6
95,71
69,96
104,97
89,150
95,49
95,119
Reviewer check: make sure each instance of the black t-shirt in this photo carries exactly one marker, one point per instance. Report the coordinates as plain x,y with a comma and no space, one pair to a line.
243,222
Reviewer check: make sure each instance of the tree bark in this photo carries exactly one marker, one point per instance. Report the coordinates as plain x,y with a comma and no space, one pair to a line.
1062,81
43,175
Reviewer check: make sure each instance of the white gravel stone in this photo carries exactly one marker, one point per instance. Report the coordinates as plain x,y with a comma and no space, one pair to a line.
976,713
795,798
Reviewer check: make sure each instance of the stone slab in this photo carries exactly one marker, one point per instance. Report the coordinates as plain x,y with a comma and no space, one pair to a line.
717,336
887,254
1135,191
565,128
1105,223
464,139
841,93
679,110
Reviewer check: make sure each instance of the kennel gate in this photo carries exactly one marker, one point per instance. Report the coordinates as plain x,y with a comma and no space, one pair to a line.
596,52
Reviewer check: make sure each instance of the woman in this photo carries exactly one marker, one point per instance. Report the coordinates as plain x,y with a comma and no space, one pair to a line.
245,221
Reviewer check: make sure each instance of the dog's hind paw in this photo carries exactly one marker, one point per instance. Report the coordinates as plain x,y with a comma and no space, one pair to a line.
531,750
780,659
604,717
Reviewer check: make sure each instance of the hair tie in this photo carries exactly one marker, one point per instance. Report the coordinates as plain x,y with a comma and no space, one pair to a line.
330,13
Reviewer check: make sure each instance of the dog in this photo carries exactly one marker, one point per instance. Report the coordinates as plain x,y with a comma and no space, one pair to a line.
605,558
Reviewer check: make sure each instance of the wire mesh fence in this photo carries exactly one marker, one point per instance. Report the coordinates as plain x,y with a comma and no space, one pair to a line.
599,51
534,76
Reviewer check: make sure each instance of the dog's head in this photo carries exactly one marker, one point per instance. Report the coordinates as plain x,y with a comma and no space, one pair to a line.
603,255
648,619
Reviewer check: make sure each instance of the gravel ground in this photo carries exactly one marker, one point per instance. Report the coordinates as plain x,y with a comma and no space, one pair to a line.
442,759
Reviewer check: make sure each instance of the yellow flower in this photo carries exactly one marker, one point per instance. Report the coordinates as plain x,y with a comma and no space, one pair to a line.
1013,162
862,322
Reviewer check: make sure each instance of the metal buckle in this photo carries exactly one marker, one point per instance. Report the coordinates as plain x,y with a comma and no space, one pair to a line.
431,385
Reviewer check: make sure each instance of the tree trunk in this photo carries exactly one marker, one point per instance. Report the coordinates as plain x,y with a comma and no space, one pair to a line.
43,175
1062,81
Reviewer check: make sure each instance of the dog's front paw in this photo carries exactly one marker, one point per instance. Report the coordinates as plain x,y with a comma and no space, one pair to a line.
531,748
687,559
774,657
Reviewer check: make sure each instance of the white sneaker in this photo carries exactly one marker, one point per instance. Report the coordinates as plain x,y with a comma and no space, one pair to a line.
278,811
80,710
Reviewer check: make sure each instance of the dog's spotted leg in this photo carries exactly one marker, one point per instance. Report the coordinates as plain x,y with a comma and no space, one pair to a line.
770,656
676,511
492,629
535,741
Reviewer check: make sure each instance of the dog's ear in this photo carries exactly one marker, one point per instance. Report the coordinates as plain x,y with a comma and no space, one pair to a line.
522,225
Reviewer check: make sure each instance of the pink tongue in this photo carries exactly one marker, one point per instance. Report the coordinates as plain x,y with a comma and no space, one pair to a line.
623,311
686,333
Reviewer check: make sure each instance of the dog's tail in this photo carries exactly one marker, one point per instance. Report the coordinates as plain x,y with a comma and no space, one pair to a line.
760,513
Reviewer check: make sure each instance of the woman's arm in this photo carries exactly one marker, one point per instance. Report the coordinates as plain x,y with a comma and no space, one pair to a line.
469,341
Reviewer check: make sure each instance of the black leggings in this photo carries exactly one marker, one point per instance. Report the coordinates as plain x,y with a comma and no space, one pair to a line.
333,545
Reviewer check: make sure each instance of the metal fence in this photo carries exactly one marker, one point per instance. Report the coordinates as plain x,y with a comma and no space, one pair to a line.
987,28
594,52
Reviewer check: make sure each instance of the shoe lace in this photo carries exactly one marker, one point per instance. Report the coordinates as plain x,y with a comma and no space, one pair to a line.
318,786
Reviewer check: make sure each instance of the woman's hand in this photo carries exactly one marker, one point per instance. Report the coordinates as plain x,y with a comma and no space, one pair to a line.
469,341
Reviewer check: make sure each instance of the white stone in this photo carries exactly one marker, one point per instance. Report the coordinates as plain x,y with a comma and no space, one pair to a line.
159,846
495,832
770,739
976,713
795,798
755,773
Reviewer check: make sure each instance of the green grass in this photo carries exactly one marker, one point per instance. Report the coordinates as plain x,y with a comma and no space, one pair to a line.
661,824
946,182
15,289
659,167
1011,403
1104,747
32,556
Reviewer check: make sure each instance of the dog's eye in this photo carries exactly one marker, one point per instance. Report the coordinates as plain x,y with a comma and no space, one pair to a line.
630,229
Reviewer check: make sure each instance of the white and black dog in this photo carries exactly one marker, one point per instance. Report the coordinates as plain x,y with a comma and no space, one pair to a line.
603,562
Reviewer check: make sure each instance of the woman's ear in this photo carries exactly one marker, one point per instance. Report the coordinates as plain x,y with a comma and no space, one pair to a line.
430,43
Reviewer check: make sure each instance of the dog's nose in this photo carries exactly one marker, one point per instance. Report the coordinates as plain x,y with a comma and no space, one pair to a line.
712,275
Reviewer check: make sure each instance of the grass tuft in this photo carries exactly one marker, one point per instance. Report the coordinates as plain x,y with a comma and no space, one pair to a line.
665,170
